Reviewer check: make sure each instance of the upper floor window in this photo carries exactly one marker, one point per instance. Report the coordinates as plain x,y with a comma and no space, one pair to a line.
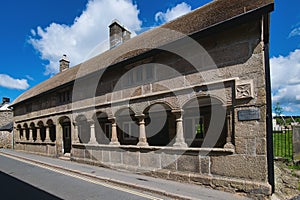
139,75
28,107
64,97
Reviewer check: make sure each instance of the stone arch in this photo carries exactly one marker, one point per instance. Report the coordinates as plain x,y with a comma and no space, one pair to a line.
103,127
84,131
52,130
117,109
49,121
20,131
165,102
160,124
127,126
33,130
108,111
204,122
42,129
206,96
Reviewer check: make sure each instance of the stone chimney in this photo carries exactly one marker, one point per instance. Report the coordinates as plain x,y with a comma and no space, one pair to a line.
5,100
117,34
64,63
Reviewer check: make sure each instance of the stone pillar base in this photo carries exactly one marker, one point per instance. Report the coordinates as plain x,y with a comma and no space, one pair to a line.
180,144
228,145
47,140
142,144
114,143
92,142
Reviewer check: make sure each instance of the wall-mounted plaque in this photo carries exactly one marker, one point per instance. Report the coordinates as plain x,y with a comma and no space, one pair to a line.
244,89
249,114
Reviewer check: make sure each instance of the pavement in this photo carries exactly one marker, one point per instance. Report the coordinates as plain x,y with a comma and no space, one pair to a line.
171,189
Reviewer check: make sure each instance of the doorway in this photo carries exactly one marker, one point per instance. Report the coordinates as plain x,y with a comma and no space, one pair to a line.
65,123
66,126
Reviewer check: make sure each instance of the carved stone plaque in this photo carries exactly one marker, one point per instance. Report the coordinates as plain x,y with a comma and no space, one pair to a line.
244,89
248,115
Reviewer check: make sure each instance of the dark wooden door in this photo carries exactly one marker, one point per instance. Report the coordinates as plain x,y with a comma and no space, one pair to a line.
67,137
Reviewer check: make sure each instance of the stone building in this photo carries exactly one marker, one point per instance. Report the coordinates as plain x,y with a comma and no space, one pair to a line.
186,101
6,126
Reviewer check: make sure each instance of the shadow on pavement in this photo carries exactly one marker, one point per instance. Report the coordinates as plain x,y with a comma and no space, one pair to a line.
12,188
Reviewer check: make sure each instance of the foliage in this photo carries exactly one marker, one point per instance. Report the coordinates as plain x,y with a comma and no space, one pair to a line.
278,109
297,167
287,120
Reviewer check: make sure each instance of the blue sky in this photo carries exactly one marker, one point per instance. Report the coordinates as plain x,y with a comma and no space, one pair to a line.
36,33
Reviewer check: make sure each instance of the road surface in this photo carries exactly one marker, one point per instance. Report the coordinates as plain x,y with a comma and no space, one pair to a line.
24,180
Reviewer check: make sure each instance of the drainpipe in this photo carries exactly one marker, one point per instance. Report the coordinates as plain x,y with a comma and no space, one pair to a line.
270,157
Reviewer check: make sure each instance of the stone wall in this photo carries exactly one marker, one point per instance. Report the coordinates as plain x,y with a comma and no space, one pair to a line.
46,149
5,137
5,117
217,168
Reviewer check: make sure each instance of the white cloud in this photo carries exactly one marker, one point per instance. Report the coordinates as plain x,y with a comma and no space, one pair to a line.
173,13
295,32
288,109
285,75
87,31
285,71
12,83
29,78
33,33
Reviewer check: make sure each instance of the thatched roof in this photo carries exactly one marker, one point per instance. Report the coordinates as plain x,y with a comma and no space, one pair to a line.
203,18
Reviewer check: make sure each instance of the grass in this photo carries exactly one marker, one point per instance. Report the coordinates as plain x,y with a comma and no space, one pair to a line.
297,167
282,144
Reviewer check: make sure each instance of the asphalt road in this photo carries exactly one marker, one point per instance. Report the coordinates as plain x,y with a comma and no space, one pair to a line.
22,180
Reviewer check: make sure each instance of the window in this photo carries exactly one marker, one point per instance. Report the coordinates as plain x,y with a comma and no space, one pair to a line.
129,129
64,97
194,127
28,108
139,75
107,130
149,72
130,78
68,96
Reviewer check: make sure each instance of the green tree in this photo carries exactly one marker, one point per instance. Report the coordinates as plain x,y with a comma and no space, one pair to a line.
278,109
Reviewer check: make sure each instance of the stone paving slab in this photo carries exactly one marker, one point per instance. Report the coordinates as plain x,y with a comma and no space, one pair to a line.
159,186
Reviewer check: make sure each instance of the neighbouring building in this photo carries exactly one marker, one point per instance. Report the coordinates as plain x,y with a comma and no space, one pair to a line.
6,124
187,101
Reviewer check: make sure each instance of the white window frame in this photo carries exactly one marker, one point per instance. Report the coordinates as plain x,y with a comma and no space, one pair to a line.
139,75
127,136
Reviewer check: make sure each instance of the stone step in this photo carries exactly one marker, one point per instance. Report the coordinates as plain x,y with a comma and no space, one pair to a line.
66,156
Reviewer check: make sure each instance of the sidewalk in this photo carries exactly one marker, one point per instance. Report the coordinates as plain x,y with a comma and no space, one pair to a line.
168,188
